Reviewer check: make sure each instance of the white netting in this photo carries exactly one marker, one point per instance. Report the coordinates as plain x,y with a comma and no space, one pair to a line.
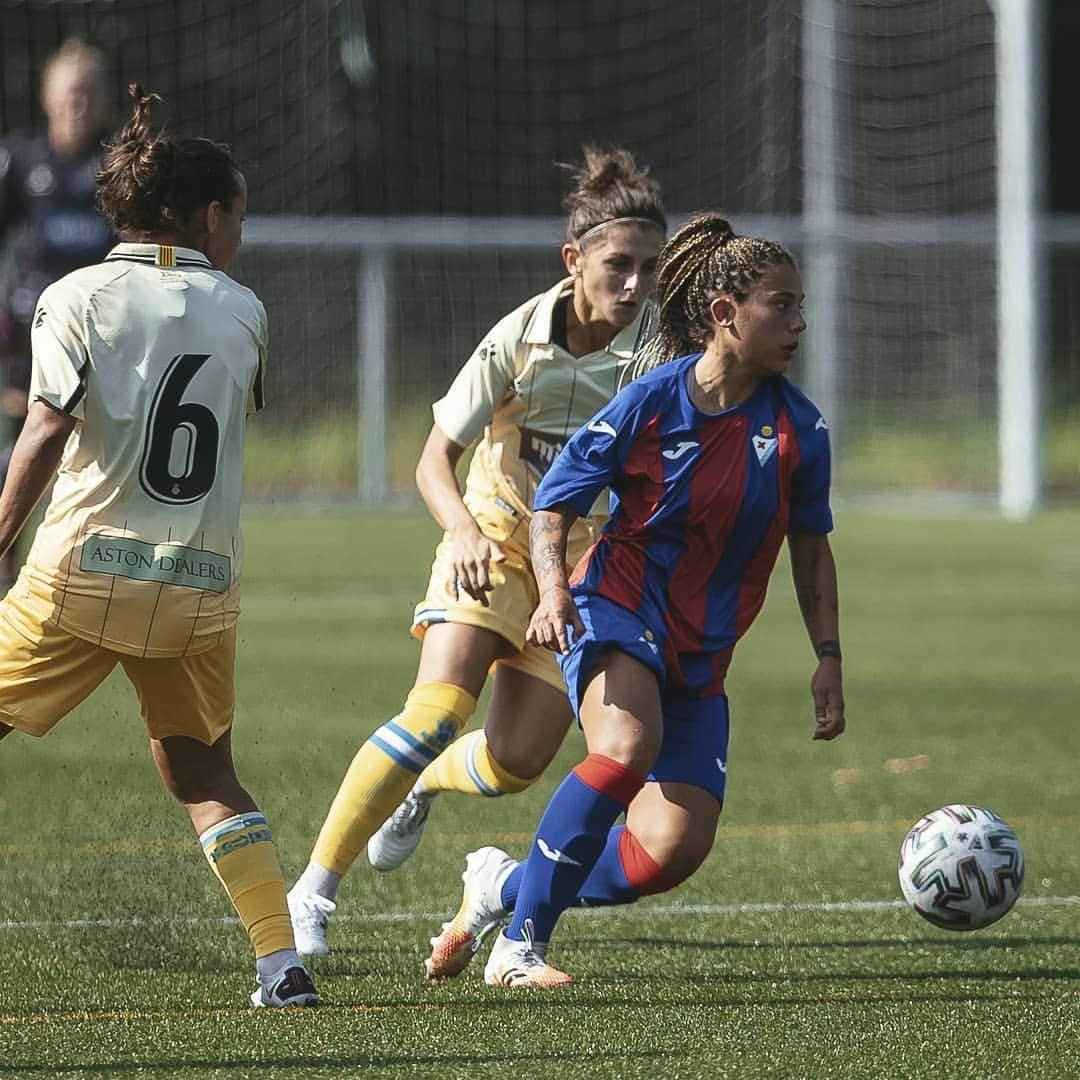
462,107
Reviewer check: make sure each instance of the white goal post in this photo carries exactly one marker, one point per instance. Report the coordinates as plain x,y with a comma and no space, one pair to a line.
376,240
1017,238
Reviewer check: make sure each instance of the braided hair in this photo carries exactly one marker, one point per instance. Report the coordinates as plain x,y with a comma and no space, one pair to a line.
703,258
151,182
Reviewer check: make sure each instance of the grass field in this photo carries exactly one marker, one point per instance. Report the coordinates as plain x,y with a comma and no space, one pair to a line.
786,955
878,456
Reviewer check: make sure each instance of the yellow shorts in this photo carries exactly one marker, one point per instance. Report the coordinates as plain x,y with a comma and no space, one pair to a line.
512,600
45,675
513,597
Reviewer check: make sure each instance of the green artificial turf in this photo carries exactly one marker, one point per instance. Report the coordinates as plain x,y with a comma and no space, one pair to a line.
788,954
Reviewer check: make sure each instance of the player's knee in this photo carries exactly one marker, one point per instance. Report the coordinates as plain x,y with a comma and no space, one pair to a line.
194,774
632,745
190,789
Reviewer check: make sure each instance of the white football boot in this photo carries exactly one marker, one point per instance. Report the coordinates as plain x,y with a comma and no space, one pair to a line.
481,912
399,835
520,965
309,913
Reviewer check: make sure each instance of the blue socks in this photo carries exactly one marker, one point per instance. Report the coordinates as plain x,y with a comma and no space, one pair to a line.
573,837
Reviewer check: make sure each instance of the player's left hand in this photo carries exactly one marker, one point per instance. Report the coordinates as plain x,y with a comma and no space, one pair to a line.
826,687
555,621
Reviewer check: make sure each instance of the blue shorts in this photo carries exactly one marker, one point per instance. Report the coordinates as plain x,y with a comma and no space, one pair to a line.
695,742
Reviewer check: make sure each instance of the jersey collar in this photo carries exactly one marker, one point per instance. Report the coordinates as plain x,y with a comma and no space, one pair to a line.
538,328
163,255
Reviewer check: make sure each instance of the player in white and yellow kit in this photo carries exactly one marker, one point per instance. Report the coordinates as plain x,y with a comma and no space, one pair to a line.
539,374
144,368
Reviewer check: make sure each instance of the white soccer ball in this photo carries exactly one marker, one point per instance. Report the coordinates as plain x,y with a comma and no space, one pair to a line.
961,867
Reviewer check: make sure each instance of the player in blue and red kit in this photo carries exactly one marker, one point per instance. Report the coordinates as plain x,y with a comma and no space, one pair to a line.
712,459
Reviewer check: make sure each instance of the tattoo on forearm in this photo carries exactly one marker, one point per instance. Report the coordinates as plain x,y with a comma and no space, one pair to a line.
547,543
550,560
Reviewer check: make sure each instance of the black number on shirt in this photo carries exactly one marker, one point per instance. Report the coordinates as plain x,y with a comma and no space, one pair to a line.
180,457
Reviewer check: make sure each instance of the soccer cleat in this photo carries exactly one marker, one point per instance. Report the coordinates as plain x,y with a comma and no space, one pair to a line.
481,912
400,833
289,987
310,913
520,965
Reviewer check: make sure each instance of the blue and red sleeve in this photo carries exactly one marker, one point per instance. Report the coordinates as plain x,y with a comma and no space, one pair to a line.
594,457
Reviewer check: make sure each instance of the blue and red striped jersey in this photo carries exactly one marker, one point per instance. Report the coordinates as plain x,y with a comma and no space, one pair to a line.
700,506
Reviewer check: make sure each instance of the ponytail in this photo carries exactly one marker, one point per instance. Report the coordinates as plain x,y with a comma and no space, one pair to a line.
150,182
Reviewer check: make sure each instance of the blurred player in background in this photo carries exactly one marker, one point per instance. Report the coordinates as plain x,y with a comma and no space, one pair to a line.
144,368
713,458
49,224
541,372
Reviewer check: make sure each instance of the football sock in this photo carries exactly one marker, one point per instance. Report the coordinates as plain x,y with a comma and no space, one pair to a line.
270,965
467,766
241,852
386,767
624,872
317,879
569,841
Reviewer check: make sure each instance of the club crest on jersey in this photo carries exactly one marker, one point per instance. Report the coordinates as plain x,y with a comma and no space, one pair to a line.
765,443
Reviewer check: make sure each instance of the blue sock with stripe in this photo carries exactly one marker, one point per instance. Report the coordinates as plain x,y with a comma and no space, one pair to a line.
569,841
607,883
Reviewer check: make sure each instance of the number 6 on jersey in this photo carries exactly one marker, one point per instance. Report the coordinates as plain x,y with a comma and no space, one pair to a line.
180,457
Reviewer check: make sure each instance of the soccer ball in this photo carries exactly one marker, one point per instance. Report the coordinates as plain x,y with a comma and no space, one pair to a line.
961,867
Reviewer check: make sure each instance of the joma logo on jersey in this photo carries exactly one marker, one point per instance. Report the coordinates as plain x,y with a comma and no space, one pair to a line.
539,450
677,451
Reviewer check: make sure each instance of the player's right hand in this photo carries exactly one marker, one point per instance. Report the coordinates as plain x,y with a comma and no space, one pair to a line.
471,557
555,621
826,688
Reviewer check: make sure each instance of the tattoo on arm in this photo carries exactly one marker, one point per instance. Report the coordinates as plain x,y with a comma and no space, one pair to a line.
548,531
551,559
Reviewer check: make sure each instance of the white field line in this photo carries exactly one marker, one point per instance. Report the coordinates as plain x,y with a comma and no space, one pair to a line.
675,910
781,830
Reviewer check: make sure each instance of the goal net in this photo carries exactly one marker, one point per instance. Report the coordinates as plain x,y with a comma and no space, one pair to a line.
401,116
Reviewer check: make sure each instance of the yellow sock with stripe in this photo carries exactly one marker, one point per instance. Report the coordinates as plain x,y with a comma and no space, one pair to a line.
241,852
468,767
386,767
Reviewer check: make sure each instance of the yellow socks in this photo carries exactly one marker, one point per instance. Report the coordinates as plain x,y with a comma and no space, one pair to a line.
241,852
386,767
468,767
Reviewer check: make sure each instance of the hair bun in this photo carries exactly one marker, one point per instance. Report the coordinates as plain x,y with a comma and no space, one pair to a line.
609,184
714,225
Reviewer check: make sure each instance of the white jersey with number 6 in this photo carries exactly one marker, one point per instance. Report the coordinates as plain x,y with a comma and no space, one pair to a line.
159,357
